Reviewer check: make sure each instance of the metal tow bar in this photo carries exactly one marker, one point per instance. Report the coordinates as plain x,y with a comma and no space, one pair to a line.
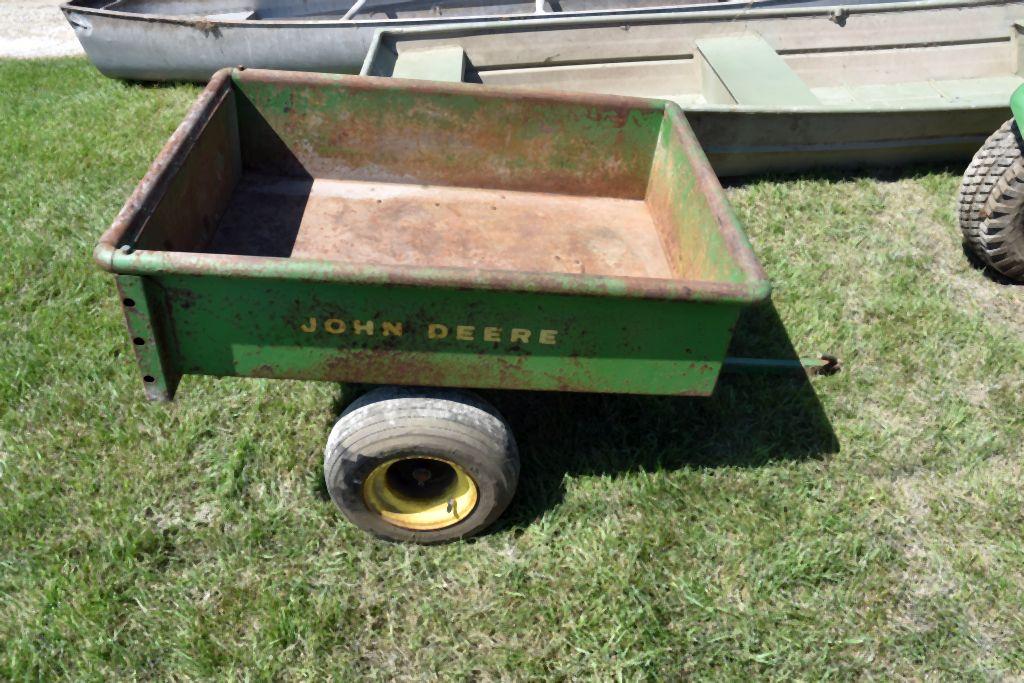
823,364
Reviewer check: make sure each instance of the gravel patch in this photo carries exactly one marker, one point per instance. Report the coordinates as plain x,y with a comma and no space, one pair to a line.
35,28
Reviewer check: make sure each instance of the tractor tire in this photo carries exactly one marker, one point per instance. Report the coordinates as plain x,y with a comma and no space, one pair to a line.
421,465
992,202
987,166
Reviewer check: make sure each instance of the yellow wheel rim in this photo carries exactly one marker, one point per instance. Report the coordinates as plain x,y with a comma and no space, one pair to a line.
422,493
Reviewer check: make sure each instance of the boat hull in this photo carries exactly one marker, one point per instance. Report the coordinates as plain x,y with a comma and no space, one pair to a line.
874,85
154,47
751,142
162,49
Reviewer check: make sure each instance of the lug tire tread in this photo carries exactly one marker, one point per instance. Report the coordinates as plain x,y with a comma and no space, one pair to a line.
989,164
997,206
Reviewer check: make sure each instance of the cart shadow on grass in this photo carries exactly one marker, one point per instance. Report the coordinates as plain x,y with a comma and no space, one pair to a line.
750,421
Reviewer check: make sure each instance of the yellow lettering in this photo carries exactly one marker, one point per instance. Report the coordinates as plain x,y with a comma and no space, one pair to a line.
547,336
519,335
516,335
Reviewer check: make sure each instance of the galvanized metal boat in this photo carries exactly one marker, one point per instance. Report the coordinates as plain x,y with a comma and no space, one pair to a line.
190,39
774,90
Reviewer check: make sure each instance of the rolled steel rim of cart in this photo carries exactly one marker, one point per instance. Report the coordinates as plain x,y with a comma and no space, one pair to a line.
429,238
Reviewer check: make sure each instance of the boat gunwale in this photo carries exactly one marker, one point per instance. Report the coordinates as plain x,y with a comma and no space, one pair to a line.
661,14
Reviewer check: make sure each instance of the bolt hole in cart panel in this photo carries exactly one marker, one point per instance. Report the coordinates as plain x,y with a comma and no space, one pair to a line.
352,229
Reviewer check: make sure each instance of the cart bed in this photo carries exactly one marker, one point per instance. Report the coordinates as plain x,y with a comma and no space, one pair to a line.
400,224
387,232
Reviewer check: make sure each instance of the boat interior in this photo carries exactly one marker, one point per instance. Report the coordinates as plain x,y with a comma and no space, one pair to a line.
751,65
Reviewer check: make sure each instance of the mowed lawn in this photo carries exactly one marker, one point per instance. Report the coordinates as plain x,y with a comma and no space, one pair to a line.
867,524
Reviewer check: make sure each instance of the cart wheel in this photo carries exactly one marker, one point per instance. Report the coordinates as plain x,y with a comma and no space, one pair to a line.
992,202
421,465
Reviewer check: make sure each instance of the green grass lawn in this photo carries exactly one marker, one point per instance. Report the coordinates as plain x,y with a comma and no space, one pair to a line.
867,524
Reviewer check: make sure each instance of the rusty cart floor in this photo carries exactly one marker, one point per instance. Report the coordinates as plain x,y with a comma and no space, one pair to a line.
423,225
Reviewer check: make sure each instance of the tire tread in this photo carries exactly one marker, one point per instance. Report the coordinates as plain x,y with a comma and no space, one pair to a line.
988,165
393,419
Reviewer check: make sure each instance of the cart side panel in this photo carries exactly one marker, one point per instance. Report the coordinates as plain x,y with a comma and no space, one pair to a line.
690,226
383,334
424,133
145,313
187,209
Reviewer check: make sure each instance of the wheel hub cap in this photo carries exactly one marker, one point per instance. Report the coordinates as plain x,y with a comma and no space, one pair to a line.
421,493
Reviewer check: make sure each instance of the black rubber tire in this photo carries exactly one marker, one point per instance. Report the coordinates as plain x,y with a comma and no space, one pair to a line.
992,202
987,166
396,422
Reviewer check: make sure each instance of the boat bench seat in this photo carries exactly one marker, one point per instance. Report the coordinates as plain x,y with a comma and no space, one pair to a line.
746,70
446,63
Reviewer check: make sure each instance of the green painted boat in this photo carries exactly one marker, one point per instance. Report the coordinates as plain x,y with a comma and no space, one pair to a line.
774,90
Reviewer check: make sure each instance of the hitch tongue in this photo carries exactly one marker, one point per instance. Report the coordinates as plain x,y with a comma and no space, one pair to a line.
822,364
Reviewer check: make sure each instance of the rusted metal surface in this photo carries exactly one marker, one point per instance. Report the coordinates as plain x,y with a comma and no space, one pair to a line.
265,148
399,224
422,133
164,171
552,242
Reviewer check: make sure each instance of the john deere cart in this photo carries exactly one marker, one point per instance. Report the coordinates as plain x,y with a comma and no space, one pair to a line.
429,238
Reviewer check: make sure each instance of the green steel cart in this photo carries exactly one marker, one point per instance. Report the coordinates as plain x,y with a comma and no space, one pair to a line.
430,238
